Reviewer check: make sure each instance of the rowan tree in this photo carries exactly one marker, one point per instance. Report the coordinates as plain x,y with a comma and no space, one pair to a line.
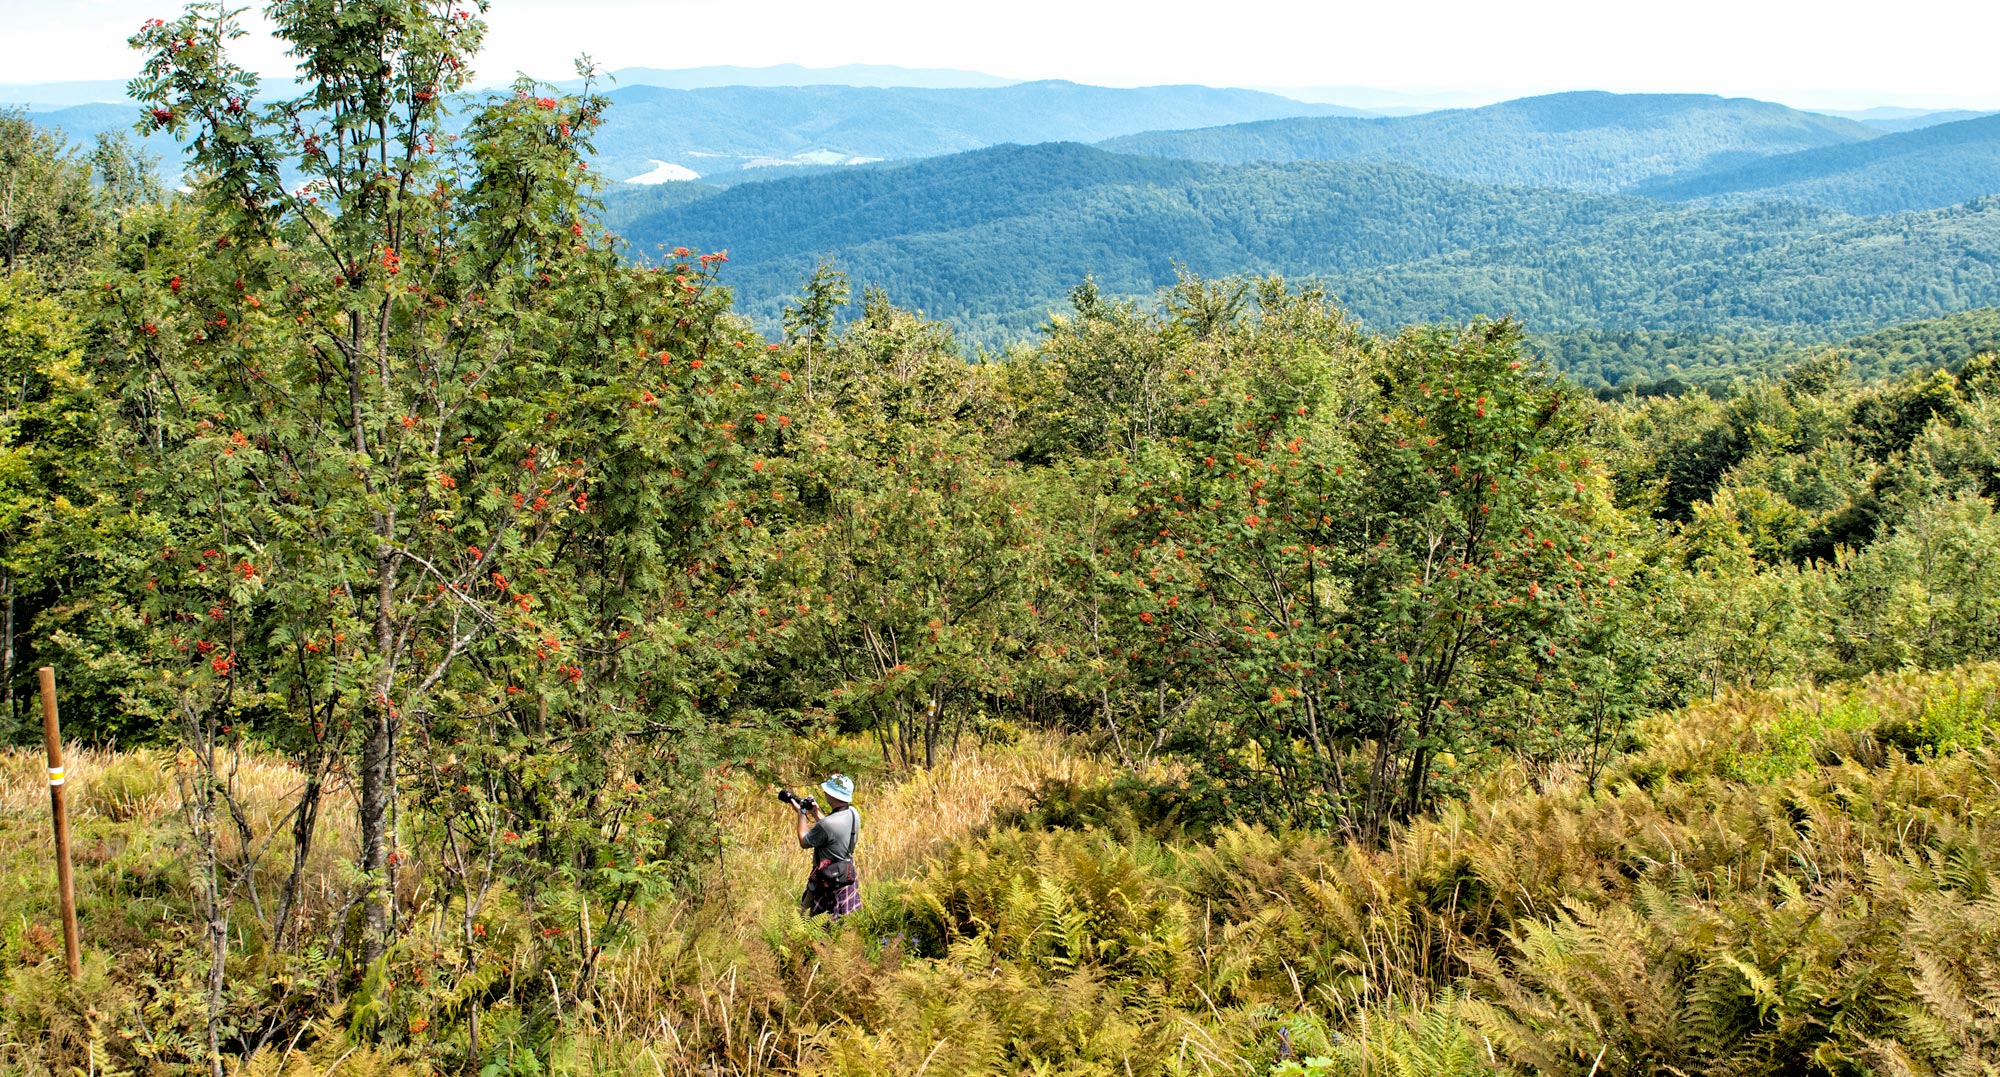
432,466
1363,555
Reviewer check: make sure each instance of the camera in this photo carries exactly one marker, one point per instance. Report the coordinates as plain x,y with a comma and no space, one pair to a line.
805,805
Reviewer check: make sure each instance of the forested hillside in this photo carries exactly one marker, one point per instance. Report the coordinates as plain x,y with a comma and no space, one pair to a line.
1923,169
992,240
1940,343
1596,142
1652,362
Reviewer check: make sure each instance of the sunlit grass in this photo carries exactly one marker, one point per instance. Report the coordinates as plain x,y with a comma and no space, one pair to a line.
1728,809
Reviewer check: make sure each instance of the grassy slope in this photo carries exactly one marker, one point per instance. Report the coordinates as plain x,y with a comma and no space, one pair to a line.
1768,876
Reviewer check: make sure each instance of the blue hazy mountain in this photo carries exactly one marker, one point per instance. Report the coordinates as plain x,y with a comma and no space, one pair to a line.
44,96
1892,119
740,131
1585,141
728,129
1934,166
994,239
80,125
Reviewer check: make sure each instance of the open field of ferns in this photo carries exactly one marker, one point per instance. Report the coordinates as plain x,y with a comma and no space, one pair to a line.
1777,882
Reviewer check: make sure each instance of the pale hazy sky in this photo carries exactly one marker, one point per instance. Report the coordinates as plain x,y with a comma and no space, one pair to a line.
1827,54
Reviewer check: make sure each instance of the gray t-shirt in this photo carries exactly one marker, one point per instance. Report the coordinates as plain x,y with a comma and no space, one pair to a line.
834,835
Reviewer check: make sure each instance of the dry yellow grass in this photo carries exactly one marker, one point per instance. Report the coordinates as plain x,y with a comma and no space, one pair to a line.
24,781
904,820
676,995
690,976
149,786
142,783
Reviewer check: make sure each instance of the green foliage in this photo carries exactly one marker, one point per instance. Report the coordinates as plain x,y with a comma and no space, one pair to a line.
56,543
1950,342
63,533
50,217
1925,594
393,451
1131,806
1354,601
896,544
1821,525
1634,362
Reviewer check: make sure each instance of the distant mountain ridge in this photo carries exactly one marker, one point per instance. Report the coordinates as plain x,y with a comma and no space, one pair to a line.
1890,120
1587,141
1932,167
45,96
42,96
723,130
737,132
994,239
1676,147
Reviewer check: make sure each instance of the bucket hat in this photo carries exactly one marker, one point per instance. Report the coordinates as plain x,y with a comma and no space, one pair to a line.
839,787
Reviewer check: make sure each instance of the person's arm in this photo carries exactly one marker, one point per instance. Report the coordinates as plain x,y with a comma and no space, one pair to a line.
807,820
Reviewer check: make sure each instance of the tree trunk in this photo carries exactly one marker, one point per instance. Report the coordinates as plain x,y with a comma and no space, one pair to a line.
930,734
7,585
1381,783
375,778
1415,782
218,950
304,825
377,755
1111,724
199,794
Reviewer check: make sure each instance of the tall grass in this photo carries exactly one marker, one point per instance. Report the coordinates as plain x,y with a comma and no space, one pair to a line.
1777,882
738,977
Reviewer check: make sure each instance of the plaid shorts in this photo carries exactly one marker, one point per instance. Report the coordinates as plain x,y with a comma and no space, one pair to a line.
834,901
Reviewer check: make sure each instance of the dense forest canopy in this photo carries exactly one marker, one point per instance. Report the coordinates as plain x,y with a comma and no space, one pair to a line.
1673,147
438,593
1586,141
991,241
1653,363
1929,168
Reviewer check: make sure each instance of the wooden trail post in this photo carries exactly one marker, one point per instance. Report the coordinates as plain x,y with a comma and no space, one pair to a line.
59,811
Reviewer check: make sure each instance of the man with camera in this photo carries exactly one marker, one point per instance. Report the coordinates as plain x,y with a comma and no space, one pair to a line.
833,887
